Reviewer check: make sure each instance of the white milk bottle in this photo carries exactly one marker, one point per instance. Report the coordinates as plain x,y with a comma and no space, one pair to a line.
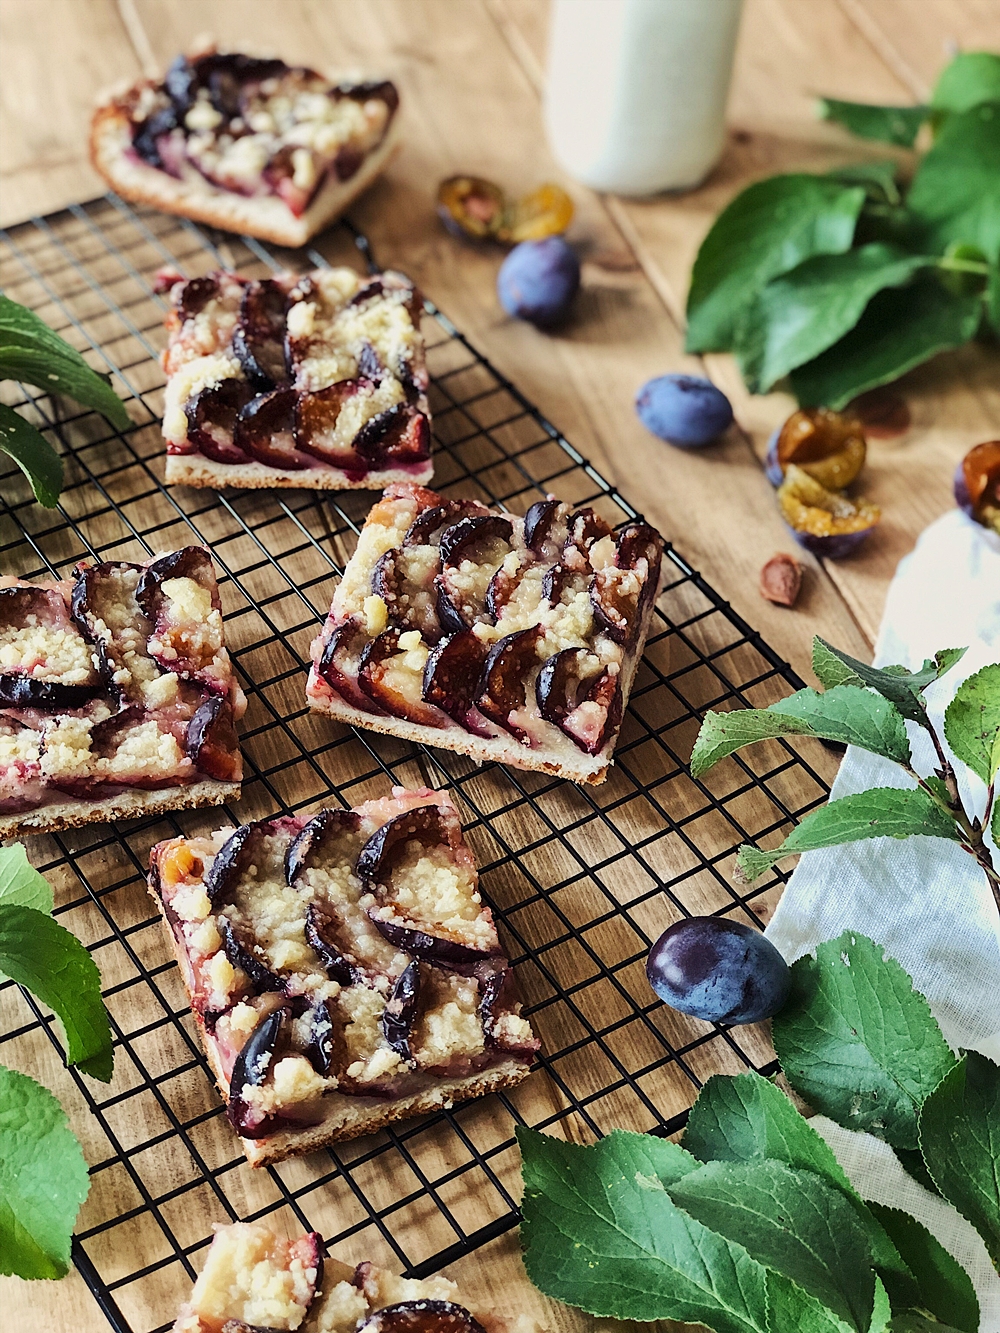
636,92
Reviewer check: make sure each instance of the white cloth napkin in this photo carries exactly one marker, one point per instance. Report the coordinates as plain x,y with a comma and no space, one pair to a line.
924,899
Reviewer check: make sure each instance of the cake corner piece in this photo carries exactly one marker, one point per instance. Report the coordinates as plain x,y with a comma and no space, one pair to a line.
343,971
499,637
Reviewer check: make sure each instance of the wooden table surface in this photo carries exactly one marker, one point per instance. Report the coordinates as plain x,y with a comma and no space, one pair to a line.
470,72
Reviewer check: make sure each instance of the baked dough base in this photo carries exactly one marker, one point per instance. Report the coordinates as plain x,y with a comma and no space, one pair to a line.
197,470
126,805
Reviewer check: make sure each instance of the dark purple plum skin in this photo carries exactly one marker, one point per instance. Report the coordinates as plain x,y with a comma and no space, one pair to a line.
422,1316
240,954
834,547
718,970
685,410
424,823
401,1010
250,1069
539,280
451,675
309,842
18,690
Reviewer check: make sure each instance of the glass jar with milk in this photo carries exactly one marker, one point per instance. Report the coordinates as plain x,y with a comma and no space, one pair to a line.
636,92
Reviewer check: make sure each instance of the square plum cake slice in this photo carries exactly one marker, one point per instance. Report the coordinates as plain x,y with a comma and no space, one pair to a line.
343,970
500,637
117,695
315,380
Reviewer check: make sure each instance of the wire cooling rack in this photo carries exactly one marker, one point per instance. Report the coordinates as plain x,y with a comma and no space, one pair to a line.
581,881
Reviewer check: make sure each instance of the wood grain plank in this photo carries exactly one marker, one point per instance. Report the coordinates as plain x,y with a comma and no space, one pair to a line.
57,57
916,38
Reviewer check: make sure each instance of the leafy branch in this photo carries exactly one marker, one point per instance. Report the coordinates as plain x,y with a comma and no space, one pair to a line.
43,1173
869,707
845,281
750,1225
31,352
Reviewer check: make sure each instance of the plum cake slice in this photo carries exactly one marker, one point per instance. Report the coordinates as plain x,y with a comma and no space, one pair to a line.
343,970
315,380
117,695
255,1281
506,638
246,144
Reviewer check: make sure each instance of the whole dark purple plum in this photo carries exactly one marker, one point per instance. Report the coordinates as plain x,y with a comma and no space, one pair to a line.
718,970
684,410
538,281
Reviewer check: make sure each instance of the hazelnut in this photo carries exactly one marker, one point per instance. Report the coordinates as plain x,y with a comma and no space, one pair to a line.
781,579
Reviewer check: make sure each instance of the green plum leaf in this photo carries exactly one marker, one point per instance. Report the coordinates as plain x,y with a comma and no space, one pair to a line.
960,1142
800,314
887,124
846,713
971,78
858,1042
901,687
33,454
881,812
972,722
944,1287
955,195
768,229
793,1223
600,1232
901,327
32,352
44,957
43,1179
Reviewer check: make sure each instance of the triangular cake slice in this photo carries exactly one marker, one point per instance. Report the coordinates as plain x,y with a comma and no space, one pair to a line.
343,970
311,380
246,144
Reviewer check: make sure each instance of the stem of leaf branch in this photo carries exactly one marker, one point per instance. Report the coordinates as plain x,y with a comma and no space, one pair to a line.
970,830
963,266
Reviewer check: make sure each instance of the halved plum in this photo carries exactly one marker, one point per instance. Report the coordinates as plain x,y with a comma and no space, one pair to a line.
482,540
211,742
977,484
279,173
824,522
249,1071
451,677
616,596
545,527
259,336
503,685
107,737
370,365
19,690
586,707
265,429
432,520
405,580
561,579
212,416
321,1047
340,664
327,937
422,1316
498,995
190,562
332,834
586,527
829,446
424,823
400,1011
400,434
245,953
195,295
392,684
236,853
316,417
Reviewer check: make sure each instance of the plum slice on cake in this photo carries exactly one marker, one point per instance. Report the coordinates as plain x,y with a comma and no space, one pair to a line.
255,1281
343,970
500,637
313,380
247,144
117,695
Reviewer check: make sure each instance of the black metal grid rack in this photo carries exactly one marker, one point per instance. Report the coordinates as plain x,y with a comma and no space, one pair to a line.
581,880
